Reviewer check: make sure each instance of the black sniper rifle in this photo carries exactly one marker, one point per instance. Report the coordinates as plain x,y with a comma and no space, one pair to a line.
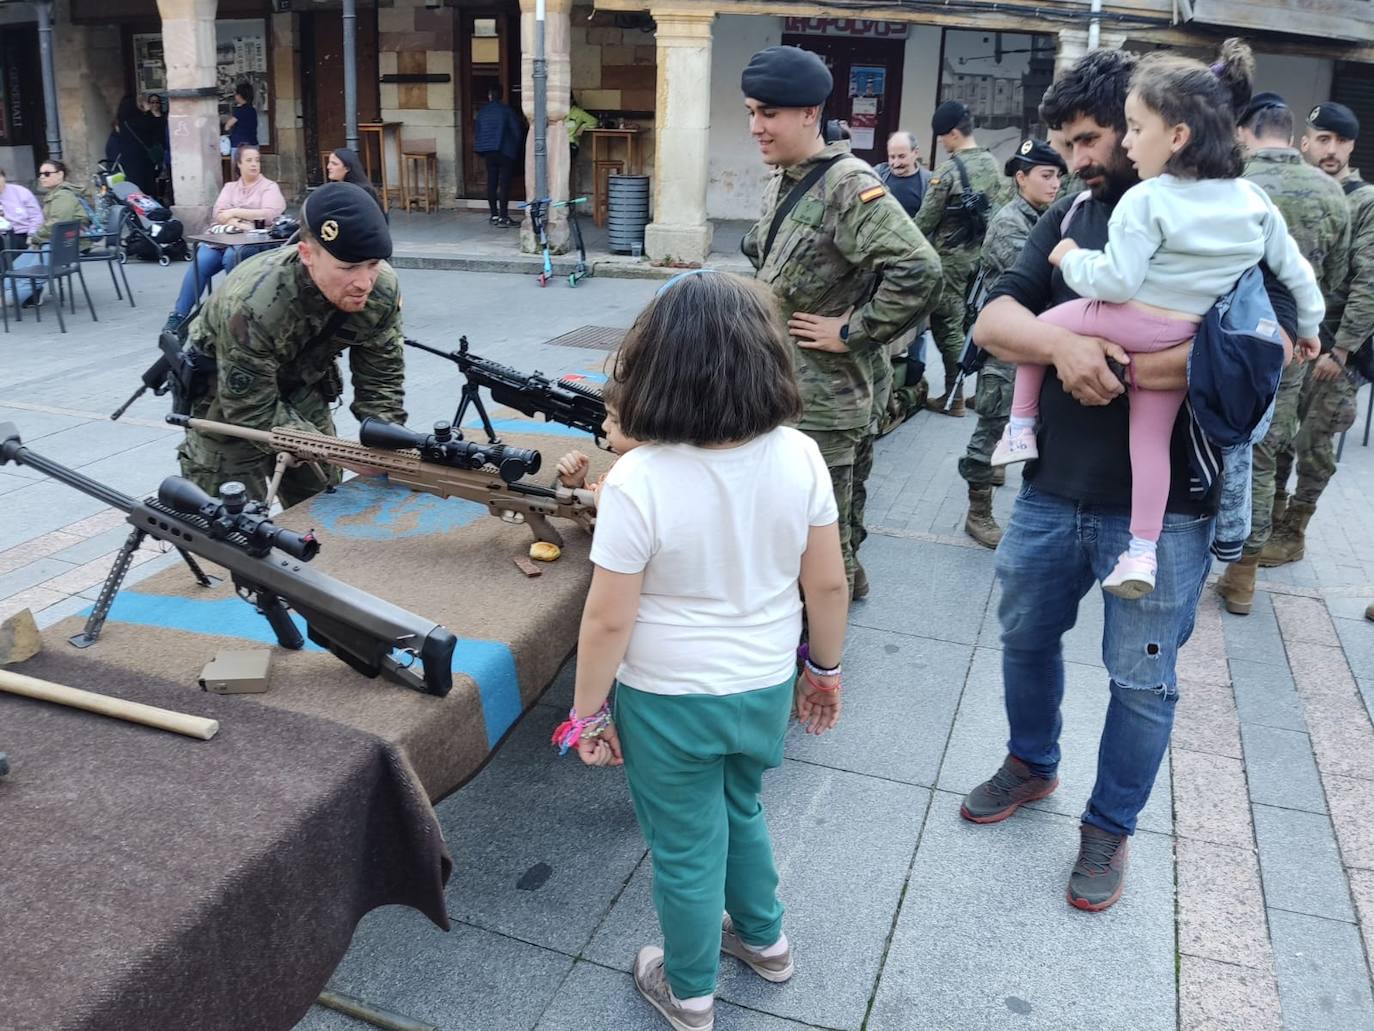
233,532
566,401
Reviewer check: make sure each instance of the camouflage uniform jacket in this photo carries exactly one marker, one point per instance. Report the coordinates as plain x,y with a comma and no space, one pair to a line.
1355,308
1312,205
1007,233
946,230
257,327
846,245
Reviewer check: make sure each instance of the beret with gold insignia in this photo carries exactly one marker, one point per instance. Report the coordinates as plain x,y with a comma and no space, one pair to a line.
347,222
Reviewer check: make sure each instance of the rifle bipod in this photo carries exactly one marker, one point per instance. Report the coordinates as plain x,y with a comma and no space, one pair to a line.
95,622
471,395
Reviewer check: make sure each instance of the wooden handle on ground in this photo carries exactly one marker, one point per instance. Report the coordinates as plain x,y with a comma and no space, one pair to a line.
118,708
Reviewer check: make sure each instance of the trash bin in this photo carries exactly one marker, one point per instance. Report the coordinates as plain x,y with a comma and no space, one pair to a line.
627,212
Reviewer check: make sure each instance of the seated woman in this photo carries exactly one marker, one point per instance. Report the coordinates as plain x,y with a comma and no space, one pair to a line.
343,166
62,202
250,198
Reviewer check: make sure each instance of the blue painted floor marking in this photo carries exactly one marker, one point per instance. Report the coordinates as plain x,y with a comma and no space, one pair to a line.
373,509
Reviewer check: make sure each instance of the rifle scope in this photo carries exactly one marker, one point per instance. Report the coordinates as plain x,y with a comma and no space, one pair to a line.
233,513
446,446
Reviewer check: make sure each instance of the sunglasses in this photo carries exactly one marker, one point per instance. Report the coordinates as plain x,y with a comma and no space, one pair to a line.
42,175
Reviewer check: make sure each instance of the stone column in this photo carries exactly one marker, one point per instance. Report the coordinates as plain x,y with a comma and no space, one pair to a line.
188,41
557,33
1073,44
680,233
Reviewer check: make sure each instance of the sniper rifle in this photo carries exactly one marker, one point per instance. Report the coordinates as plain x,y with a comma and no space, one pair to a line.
430,463
268,567
568,401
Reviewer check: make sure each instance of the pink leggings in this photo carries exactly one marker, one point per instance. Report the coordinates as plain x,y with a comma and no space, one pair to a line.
1152,412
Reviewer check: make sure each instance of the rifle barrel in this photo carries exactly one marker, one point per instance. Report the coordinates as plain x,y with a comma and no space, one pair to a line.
222,428
450,355
12,450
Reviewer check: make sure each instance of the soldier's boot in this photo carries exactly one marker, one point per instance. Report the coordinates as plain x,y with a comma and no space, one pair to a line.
1237,585
1369,611
979,523
937,404
860,590
1289,541
1280,508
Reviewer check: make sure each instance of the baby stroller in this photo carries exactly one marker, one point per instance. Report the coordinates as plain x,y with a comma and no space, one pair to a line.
151,233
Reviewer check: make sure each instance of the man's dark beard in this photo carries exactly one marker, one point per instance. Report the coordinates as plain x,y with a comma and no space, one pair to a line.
1117,178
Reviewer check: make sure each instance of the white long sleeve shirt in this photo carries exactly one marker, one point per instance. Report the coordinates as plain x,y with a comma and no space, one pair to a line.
1182,243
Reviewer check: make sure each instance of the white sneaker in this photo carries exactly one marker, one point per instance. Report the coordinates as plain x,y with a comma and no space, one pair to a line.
1015,446
1133,577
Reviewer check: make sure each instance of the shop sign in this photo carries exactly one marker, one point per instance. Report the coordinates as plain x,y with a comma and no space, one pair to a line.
868,28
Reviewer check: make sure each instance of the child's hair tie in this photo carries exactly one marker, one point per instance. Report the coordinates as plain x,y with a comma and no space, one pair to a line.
681,276
575,727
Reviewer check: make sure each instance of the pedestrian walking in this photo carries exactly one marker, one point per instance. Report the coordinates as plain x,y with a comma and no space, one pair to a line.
497,139
1318,219
1035,169
1069,523
849,269
704,532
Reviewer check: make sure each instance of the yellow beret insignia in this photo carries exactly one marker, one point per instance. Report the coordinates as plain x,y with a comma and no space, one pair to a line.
872,193
1026,147
329,232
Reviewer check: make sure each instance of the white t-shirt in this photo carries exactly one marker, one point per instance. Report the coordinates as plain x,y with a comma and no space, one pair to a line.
719,535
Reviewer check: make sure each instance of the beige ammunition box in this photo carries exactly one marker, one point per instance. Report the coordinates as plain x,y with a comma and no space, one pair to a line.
236,672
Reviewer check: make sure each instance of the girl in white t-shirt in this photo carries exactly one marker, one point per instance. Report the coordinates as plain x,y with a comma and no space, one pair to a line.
704,531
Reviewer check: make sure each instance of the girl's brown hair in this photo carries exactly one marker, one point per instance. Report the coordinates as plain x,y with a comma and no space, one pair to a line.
1206,99
705,363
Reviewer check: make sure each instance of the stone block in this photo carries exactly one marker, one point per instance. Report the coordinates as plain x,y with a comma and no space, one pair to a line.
638,100
645,54
1281,769
631,77
1266,695
985,942
1362,888
600,100
1205,718
1351,801
1210,803
34,574
910,589
1216,996
620,54
53,543
1342,737
1300,864
586,69
39,508
1221,905
605,35
396,19
436,19
1323,979
1303,619
1357,638
1254,638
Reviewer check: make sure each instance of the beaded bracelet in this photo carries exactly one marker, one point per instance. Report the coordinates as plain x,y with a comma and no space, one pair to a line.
804,653
575,727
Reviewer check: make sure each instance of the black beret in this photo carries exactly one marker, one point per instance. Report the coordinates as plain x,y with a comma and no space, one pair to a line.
348,223
787,77
1260,102
1030,154
1335,118
947,116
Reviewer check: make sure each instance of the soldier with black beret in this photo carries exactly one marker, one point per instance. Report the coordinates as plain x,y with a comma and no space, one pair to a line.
275,330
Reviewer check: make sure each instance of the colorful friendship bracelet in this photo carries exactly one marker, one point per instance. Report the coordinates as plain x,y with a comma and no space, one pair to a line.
572,730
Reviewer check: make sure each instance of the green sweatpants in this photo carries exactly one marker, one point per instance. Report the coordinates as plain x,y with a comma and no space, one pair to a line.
695,768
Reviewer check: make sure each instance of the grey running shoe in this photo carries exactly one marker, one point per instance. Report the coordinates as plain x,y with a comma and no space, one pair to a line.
771,968
1100,873
1009,788
653,985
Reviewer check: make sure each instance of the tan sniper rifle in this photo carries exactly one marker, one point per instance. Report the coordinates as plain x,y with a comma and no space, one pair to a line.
432,464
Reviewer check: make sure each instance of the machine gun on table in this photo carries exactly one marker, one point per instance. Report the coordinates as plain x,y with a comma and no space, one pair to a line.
268,567
434,463
567,401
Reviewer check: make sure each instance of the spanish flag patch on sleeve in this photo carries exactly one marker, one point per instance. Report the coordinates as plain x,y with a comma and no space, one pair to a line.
872,193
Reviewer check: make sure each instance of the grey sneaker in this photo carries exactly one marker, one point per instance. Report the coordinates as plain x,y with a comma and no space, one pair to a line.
653,985
1008,790
771,968
1100,873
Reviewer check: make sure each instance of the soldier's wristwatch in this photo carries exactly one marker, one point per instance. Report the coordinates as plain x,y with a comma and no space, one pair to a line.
844,333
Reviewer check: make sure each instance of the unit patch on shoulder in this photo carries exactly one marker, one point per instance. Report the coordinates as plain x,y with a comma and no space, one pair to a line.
872,193
935,180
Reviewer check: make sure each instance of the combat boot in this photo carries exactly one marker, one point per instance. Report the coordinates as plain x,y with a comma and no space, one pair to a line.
980,525
1280,511
1237,585
1288,543
937,404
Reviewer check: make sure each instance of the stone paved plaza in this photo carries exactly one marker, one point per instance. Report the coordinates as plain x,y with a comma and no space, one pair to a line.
1250,900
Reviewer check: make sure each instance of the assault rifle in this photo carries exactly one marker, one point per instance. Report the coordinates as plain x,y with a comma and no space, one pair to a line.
425,463
567,401
268,567
182,370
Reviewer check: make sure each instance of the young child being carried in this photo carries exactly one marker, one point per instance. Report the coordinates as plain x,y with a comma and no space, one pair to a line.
705,530
1177,241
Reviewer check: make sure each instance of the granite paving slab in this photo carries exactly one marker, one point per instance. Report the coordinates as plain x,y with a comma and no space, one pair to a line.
1254,638
1357,638
1300,864
1221,905
1323,981
1281,768
1217,996
924,589
985,940
1266,695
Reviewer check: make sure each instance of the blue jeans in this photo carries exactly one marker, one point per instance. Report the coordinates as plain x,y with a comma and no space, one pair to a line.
1050,556
25,285
209,259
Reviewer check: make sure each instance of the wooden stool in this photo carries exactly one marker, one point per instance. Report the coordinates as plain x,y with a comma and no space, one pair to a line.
601,177
416,165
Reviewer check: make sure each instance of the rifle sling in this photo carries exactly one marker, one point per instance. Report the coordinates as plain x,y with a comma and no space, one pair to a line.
798,192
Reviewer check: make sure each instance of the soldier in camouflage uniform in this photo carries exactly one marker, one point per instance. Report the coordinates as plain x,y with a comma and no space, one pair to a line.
1035,168
956,233
833,244
1319,222
1326,405
275,330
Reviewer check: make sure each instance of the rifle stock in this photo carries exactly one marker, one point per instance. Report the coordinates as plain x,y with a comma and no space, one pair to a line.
519,502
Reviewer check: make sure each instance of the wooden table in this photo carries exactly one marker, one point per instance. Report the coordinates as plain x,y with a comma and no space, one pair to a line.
603,140
389,159
258,238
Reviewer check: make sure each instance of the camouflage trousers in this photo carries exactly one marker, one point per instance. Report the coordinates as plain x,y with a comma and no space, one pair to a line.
1263,471
848,454
1325,409
209,461
992,402
947,318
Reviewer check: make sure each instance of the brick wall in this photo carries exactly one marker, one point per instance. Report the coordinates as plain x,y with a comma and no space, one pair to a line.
614,74
416,40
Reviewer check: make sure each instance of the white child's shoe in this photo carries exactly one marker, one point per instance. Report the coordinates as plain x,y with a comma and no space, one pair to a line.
1015,446
1133,577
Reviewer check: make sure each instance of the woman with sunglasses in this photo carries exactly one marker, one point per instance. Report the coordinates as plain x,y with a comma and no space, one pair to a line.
62,202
